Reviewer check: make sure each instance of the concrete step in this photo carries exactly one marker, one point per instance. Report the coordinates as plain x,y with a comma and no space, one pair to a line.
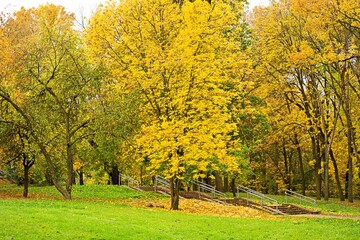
291,209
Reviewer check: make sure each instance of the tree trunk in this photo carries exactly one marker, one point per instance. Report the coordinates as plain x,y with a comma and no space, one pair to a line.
219,182
42,147
357,155
226,184
74,178
356,151
233,187
350,148
301,165
69,156
326,166
27,165
141,175
51,168
196,187
350,180
287,166
337,177
81,177
326,177
317,167
114,175
208,179
175,193
346,184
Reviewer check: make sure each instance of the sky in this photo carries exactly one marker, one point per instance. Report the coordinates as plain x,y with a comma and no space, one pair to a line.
79,7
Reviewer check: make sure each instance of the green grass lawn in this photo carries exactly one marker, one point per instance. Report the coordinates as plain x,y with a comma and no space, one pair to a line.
91,216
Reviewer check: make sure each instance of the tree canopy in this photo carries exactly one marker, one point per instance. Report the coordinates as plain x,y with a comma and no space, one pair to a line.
203,90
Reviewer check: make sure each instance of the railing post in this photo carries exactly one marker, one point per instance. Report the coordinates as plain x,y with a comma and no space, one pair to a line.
301,198
155,185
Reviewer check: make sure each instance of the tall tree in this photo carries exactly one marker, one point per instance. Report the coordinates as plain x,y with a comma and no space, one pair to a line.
178,58
51,86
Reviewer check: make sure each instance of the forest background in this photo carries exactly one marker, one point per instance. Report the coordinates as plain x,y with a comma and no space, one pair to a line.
187,90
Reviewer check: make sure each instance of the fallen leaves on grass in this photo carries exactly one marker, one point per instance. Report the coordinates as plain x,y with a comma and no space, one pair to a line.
199,207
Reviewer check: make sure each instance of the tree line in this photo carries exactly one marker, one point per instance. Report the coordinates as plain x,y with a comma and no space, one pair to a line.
184,89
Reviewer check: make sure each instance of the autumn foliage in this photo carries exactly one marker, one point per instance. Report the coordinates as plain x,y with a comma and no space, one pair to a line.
188,90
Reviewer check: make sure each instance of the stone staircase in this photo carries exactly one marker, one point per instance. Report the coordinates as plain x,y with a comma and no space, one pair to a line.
290,209
263,202
285,209
268,204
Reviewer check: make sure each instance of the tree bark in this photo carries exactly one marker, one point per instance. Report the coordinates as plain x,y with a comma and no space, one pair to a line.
81,176
233,187
219,182
287,166
326,161
27,165
175,193
141,175
317,167
301,165
226,184
114,175
69,155
337,177
51,168
350,148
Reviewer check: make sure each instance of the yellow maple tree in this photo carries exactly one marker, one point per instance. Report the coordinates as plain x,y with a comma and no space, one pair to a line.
179,58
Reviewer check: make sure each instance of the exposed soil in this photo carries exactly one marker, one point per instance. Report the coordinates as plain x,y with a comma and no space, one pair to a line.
4,181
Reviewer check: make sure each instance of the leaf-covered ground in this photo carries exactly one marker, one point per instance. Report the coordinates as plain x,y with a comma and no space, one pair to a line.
195,206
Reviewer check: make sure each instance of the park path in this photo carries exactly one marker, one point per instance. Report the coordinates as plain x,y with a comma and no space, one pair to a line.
328,216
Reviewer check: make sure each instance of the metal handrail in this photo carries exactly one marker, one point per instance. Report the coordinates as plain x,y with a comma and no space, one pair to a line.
300,197
209,188
261,196
162,181
246,189
194,181
130,181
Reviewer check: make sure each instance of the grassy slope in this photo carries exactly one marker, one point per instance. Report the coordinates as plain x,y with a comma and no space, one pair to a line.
101,219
